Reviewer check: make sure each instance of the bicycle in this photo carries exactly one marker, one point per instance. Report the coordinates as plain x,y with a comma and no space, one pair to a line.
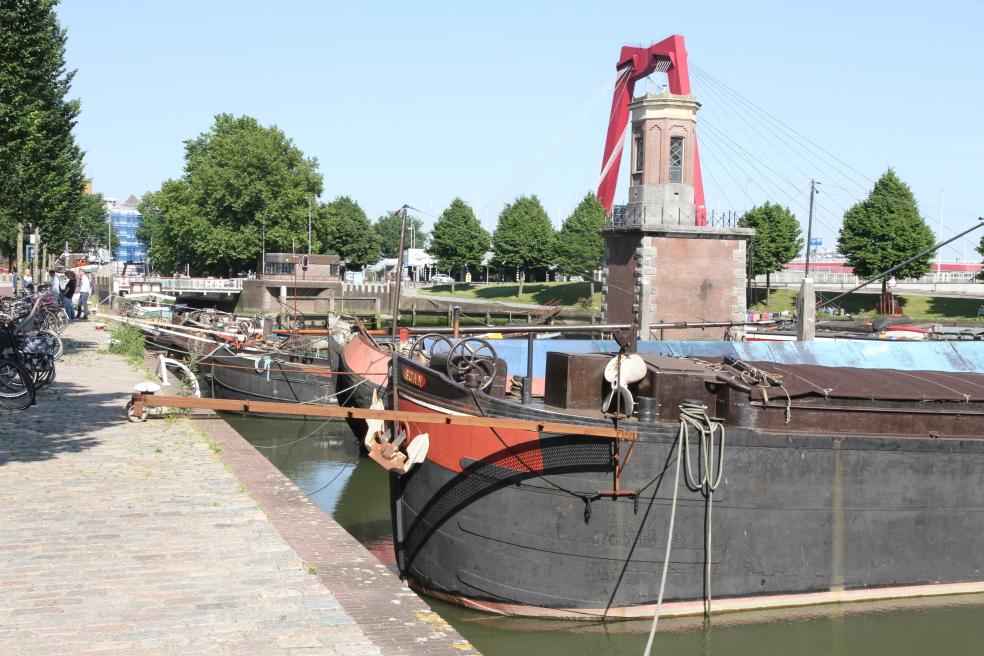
17,389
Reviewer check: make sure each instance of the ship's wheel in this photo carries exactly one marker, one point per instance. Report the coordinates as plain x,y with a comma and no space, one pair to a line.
423,347
473,361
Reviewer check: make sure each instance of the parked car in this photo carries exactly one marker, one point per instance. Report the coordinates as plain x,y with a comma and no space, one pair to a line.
441,279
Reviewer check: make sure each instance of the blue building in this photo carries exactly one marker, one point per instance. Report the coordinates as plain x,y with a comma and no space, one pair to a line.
126,220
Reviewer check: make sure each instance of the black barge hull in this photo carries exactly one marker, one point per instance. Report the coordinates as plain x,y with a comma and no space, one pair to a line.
273,377
798,519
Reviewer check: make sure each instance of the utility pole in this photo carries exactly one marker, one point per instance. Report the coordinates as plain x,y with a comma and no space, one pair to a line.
20,254
263,247
939,238
109,241
809,228
402,213
309,225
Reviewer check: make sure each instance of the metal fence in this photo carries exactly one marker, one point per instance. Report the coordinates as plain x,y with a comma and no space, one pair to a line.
849,279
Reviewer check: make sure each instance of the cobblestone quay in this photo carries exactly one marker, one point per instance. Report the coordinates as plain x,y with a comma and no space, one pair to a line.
154,538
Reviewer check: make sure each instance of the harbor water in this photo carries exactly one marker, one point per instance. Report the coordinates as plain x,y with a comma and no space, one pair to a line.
322,459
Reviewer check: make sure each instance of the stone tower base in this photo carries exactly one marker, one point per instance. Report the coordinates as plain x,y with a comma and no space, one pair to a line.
694,274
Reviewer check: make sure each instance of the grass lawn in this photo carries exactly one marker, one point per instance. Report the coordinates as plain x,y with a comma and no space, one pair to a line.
916,306
542,293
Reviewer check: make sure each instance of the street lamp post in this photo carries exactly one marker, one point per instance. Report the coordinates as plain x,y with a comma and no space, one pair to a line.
309,224
809,228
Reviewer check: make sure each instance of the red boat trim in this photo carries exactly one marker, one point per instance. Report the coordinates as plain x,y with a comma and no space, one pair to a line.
729,605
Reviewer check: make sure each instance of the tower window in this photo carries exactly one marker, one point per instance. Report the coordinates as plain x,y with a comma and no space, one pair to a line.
676,159
637,154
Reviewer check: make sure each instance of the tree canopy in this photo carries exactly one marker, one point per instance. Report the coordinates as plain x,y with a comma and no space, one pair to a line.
884,230
41,174
580,250
458,239
91,230
243,184
524,237
164,256
980,249
387,227
777,239
342,227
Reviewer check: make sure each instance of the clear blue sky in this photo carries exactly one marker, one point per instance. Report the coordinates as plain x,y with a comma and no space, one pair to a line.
421,102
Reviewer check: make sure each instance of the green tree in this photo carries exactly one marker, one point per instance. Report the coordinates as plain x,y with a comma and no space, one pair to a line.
41,176
244,184
884,230
524,238
580,250
388,229
458,240
343,228
150,233
91,230
980,249
777,239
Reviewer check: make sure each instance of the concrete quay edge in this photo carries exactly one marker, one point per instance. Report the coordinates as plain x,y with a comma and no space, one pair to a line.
390,614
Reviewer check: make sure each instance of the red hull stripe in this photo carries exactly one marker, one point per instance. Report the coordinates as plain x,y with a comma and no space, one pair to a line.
449,445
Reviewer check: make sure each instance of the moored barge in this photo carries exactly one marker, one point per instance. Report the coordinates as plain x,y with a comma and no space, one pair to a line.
836,484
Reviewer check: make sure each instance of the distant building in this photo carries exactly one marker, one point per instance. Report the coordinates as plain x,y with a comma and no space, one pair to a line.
300,267
126,221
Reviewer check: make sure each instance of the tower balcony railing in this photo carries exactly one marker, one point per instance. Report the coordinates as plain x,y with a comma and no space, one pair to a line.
637,215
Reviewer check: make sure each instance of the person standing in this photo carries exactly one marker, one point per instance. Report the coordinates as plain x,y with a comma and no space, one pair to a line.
67,295
85,288
58,281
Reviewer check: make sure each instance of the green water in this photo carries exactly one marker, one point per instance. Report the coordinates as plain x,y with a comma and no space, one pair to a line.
321,458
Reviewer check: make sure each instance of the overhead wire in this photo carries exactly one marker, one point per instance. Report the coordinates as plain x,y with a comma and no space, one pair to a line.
727,110
819,208
760,175
821,168
798,135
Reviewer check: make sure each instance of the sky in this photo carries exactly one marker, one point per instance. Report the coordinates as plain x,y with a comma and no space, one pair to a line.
420,102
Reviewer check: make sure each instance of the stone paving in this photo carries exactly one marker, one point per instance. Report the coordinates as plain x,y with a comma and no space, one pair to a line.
121,538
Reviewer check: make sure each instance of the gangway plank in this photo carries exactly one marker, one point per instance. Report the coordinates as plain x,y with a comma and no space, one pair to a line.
142,400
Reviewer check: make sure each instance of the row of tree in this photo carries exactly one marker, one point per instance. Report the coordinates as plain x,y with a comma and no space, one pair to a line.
42,183
247,188
524,239
878,233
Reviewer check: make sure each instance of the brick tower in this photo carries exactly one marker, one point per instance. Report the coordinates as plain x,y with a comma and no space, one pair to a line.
658,259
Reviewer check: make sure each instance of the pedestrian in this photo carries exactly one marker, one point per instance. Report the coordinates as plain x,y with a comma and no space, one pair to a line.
67,293
58,281
85,288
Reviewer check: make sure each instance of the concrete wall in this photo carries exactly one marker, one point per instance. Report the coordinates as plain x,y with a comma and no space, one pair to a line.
263,296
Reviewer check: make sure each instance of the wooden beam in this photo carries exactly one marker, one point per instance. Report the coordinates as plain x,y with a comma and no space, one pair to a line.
310,410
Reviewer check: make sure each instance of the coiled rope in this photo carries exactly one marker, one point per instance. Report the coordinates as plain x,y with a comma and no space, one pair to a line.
711,471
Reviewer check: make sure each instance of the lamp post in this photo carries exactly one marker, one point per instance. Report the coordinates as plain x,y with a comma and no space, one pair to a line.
939,237
809,228
309,224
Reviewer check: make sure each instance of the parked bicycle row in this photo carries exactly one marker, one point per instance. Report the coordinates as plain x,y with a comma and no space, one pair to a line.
30,345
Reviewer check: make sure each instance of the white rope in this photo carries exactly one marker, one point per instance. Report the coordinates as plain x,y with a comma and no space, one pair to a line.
710,475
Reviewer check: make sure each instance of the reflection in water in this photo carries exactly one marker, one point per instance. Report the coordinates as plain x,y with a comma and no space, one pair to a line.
322,458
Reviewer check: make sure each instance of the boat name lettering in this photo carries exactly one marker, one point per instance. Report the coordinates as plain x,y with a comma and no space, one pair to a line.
415,378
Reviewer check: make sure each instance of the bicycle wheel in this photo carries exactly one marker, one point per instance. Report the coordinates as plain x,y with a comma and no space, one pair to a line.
44,376
45,321
62,317
16,386
56,338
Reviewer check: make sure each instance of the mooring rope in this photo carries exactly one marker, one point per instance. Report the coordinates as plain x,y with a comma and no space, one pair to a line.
711,471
